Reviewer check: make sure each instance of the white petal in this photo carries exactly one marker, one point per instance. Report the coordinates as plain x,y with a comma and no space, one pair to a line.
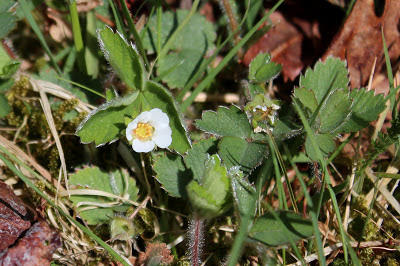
131,126
144,117
158,117
162,136
142,146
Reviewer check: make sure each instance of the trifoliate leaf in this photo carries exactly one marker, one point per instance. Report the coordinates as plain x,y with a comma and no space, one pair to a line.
106,122
172,174
226,122
262,69
208,196
188,48
239,152
156,96
292,226
123,58
335,111
366,108
198,155
325,143
113,183
326,76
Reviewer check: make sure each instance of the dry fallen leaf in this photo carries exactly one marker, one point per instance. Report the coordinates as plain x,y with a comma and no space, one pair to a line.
11,211
35,248
360,39
155,254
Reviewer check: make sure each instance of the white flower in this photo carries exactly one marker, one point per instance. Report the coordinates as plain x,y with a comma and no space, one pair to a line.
149,129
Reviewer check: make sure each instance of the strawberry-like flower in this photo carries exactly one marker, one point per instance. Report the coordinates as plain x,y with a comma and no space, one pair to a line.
149,129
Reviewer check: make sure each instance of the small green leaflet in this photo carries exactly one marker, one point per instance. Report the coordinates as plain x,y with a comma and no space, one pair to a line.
209,195
262,69
123,58
175,172
117,183
326,76
231,122
105,123
188,49
292,226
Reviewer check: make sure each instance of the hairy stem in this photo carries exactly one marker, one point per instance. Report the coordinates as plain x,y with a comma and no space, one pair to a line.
196,239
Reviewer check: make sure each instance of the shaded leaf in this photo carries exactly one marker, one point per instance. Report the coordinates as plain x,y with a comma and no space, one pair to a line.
172,174
208,196
366,108
5,107
335,110
106,122
271,232
198,155
226,122
240,152
156,96
262,69
113,183
188,49
325,143
7,19
244,195
123,58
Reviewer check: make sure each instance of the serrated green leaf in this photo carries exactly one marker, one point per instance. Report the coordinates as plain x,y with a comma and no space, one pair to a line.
240,152
244,195
7,19
328,75
335,111
106,122
271,232
114,183
202,201
325,143
156,96
226,122
123,58
252,89
5,107
172,174
209,195
262,69
366,108
309,103
197,156
188,49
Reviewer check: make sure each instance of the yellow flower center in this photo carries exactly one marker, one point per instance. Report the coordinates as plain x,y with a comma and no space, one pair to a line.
143,131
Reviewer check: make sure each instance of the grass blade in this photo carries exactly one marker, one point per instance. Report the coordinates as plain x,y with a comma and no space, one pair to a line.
36,29
77,33
226,59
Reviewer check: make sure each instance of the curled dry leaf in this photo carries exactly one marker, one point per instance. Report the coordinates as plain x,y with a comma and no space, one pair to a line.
35,248
360,39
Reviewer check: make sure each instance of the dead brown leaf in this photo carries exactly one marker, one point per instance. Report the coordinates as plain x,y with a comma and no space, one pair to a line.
155,254
360,39
11,227
35,248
